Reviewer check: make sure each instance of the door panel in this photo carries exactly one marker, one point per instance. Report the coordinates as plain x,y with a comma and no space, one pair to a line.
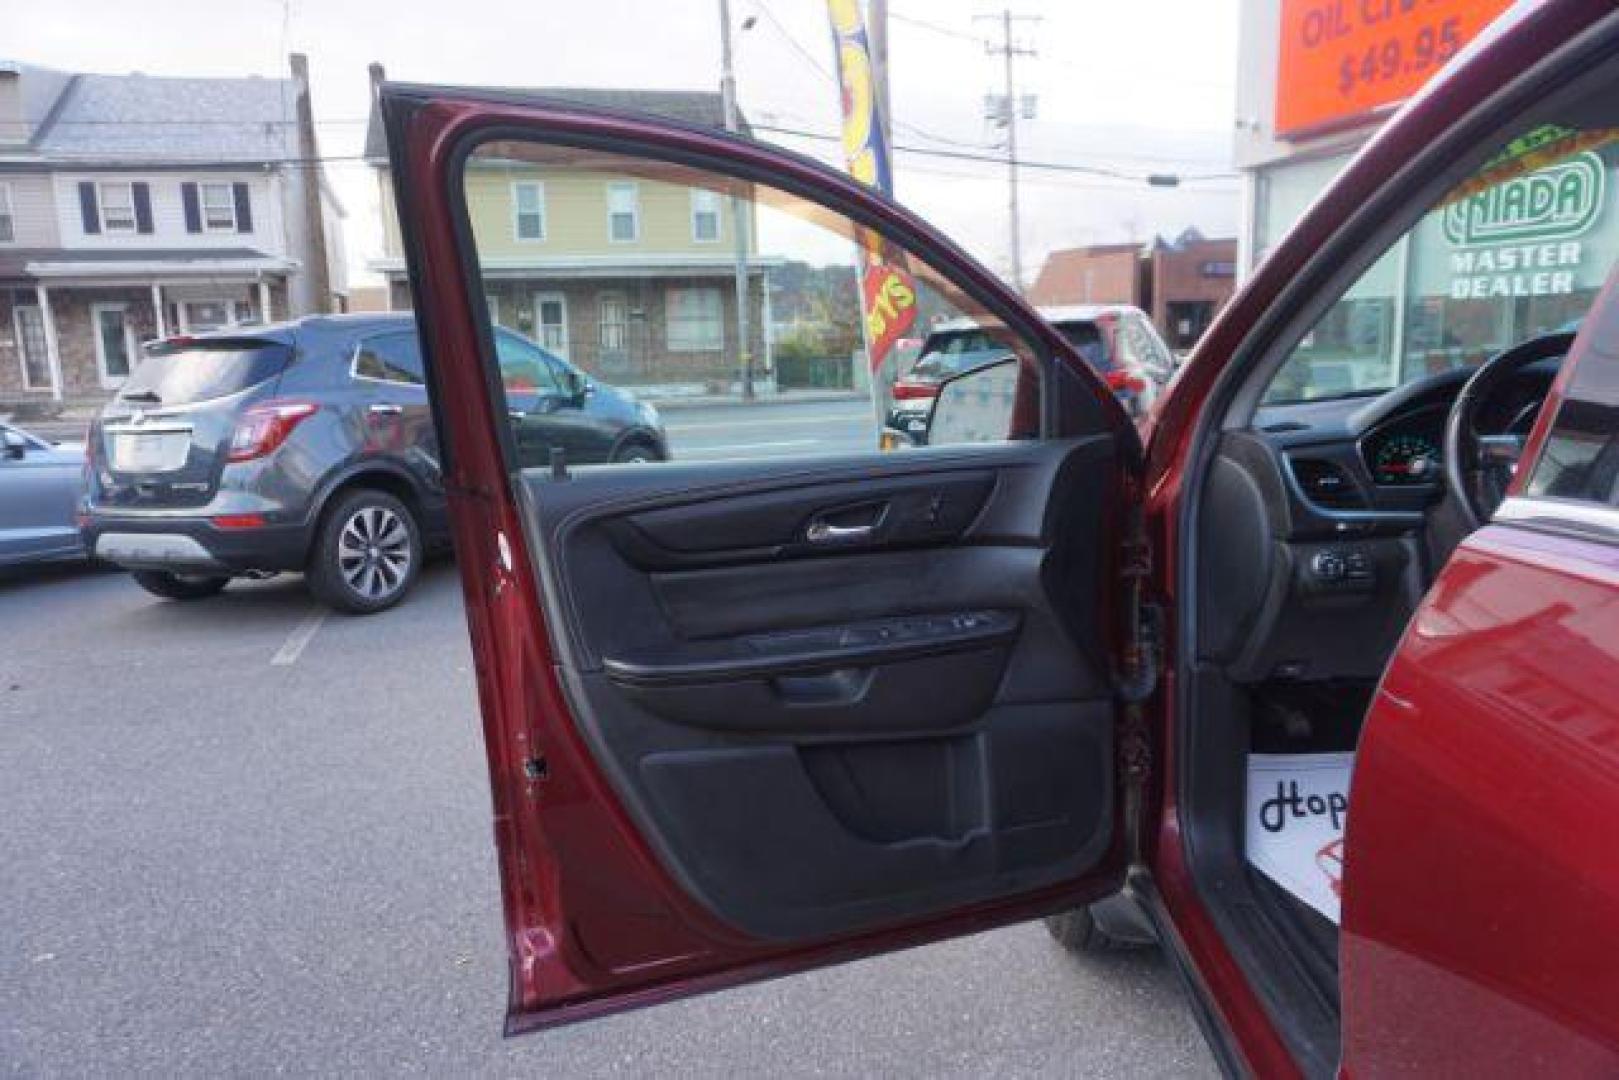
819,739
748,717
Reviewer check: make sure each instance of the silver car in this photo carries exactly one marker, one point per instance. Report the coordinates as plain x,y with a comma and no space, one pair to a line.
40,484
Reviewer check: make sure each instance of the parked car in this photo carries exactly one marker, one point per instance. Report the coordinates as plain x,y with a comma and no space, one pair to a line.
1118,340
310,446
868,703
39,493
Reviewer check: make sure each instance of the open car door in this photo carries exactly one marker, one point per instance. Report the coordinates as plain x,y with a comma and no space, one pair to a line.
754,713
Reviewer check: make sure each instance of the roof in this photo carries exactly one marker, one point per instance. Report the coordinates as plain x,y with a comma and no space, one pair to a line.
149,118
31,263
704,108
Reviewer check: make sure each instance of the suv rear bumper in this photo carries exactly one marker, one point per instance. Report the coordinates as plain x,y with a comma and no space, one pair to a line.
193,544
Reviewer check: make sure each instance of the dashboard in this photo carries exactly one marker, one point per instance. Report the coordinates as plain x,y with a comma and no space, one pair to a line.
1321,523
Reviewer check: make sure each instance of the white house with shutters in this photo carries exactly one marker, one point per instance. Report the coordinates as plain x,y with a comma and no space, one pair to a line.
134,207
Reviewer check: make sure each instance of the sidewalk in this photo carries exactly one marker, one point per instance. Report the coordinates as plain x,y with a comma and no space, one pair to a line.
674,397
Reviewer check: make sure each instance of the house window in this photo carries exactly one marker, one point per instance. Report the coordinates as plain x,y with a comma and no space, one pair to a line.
705,216
117,207
529,199
695,320
8,228
33,347
623,212
218,207
614,322
494,310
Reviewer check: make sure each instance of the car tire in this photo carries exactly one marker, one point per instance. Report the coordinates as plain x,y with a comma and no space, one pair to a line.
1078,932
367,553
172,586
638,451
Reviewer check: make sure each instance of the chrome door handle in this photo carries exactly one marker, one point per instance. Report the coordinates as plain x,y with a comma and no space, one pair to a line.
822,532
385,410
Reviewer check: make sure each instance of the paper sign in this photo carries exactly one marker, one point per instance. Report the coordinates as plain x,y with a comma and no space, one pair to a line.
1298,805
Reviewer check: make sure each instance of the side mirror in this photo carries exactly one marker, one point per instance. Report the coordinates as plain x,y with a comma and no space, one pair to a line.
577,384
14,445
975,406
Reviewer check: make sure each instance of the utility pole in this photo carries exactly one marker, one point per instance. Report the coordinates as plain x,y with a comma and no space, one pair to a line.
877,37
1007,110
738,211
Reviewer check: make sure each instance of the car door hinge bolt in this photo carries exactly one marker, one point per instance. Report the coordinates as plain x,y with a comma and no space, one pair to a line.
536,768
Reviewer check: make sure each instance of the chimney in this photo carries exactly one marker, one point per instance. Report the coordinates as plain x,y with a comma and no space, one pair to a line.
316,266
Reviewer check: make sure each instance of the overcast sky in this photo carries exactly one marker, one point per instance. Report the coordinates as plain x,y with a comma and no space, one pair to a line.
1140,86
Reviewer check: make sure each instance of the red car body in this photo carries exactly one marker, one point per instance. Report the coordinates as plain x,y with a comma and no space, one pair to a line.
1488,771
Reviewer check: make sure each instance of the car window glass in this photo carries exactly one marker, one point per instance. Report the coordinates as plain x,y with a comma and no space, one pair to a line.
525,368
185,370
1086,337
395,358
1519,249
683,339
1580,458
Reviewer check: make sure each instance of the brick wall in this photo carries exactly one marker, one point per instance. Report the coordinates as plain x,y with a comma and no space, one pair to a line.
1196,272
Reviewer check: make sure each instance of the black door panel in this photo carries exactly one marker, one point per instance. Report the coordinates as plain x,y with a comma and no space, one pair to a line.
819,736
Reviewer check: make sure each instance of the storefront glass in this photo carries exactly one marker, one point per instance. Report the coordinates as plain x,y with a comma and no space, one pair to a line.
1519,250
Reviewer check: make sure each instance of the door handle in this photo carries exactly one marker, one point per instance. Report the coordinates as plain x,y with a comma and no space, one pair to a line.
824,532
385,410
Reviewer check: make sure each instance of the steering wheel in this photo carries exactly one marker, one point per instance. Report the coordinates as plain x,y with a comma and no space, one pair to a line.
1479,466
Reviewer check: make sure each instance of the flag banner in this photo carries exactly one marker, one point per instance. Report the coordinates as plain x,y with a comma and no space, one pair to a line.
888,294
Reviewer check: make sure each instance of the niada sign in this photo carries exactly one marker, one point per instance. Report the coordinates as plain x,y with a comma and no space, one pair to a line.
1520,237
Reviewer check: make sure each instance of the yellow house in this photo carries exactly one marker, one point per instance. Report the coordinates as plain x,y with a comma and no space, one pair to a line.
629,277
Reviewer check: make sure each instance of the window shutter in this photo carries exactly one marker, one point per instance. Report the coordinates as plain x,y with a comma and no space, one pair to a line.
244,208
188,196
143,206
87,207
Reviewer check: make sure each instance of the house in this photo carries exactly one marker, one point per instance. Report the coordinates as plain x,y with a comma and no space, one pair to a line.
630,278
1182,283
134,207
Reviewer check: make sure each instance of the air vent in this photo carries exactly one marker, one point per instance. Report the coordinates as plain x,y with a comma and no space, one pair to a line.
1327,485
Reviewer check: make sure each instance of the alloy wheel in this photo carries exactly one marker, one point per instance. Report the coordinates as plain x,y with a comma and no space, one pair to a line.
373,552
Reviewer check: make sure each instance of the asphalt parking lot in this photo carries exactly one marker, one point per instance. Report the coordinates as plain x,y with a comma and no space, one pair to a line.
241,837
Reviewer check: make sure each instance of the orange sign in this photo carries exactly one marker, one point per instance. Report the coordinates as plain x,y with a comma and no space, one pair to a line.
1344,59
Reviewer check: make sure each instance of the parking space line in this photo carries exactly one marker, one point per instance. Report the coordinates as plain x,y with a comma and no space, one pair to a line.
300,636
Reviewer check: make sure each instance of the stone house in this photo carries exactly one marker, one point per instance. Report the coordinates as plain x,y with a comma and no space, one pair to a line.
629,277
134,207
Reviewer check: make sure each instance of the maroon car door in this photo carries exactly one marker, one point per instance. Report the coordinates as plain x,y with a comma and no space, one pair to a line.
1481,891
750,714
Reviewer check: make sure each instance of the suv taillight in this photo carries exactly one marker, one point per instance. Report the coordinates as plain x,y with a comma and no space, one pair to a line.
262,428
914,391
1123,380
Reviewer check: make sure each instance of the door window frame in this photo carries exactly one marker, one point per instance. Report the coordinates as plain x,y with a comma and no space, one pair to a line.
561,299
110,381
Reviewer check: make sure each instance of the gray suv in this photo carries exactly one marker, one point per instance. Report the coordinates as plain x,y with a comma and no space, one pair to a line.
310,446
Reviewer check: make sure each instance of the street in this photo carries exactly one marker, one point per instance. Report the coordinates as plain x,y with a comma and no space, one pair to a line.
243,837
770,429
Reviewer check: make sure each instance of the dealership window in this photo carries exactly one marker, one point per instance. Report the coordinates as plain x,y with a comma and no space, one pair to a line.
117,200
218,207
705,216
1520,249
8,226
696,320
528,198
623,212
